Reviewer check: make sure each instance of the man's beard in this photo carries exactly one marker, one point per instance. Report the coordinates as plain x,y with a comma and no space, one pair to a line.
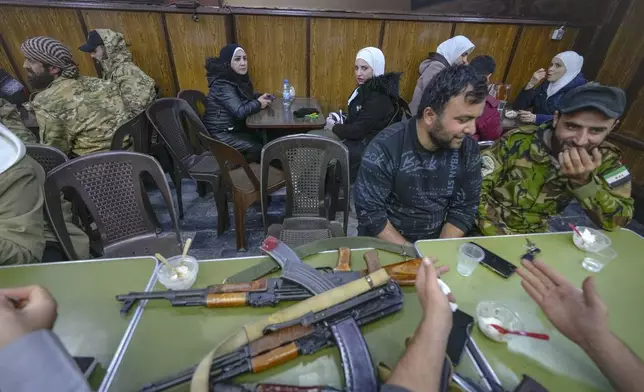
40,82
440,138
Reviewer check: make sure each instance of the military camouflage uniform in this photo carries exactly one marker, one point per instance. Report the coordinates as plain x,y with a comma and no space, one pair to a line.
79,116
10,118
137,88
523,186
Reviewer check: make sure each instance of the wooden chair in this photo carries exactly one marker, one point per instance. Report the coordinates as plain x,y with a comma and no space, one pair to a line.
241,176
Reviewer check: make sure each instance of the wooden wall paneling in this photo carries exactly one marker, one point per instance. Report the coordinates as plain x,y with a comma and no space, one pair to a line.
144,34
5,63
495,40
191,43
633,123
535,50
334,45
626,52
634,161
20,23
415,40
275,56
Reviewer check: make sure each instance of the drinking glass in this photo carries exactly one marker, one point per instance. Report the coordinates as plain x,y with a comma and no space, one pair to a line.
596,261
469,256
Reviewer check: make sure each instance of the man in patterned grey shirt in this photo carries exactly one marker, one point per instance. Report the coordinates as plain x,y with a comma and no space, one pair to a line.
421,178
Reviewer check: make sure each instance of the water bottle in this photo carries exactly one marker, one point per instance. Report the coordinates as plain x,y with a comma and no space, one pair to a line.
286,93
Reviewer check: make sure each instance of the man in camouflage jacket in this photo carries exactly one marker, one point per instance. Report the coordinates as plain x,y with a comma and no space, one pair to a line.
10,118
109,49
533,173
76,114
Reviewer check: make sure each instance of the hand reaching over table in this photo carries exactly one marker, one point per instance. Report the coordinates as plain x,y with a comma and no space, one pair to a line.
35,309
582,317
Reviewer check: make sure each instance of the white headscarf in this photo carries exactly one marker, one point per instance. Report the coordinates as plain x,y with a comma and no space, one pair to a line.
454,47
375,59
11,149
573,63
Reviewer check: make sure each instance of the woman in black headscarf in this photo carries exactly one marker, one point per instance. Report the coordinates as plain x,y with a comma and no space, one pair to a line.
231,100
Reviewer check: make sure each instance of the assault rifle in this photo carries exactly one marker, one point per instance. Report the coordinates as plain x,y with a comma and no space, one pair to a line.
302,336
272,291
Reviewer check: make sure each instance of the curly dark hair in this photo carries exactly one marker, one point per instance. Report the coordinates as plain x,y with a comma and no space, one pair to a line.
448,84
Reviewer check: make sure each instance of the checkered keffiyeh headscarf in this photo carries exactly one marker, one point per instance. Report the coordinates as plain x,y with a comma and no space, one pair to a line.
50,51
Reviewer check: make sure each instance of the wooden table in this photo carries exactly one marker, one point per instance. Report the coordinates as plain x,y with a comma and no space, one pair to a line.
276,116
88,321
169,339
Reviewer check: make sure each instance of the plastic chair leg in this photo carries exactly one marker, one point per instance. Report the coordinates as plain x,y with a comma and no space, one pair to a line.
240,228
176,178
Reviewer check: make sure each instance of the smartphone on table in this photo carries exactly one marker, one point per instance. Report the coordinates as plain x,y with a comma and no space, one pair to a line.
496,263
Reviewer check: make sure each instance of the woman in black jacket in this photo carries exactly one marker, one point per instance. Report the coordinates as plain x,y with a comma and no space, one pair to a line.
231,100
373,106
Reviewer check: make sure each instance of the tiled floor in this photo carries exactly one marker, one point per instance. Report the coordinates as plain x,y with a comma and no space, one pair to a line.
200,223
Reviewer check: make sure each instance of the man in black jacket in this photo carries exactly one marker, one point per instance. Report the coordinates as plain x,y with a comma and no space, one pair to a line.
421,178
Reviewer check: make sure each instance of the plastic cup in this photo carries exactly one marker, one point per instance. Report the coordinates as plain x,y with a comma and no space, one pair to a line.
469,256
183,282
596,261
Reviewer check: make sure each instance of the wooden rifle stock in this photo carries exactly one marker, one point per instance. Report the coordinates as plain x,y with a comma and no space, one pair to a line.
344,260
274,357
247,287
279,338
227,300
403,273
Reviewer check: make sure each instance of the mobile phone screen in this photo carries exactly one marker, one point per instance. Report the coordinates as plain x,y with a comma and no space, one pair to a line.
496,263
461,329
86,365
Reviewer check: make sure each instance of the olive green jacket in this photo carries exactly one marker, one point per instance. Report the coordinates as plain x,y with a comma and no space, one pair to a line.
10,118
523,186
24,229
136,87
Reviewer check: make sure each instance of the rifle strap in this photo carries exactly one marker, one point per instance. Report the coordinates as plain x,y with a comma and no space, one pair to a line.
252,331
268,266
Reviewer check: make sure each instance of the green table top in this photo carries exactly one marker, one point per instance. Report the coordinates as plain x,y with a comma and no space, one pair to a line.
557,364
168,339
88,316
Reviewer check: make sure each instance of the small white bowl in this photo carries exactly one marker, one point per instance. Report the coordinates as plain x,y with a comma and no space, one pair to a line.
168,278
506,317
601,240
511,114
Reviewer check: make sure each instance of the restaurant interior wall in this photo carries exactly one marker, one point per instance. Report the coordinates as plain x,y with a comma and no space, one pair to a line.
315,50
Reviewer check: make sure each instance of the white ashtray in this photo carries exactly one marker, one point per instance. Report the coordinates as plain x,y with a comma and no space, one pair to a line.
591,240
187,268
511,114
492,312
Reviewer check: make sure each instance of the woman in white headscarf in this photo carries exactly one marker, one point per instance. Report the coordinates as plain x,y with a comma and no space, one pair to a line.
372,106
454,51
563,75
